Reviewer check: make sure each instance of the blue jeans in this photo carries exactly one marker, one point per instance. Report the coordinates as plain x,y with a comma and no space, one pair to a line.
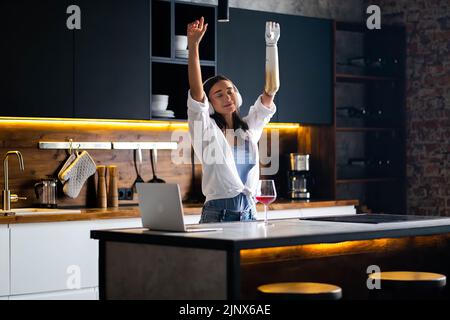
227,210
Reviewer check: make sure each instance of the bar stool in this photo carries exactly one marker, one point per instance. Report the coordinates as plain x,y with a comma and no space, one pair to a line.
300,291
407,285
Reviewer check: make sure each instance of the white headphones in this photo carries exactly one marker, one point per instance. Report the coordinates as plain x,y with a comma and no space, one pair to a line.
238,95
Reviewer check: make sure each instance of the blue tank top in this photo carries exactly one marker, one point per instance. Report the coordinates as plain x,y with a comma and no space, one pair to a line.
243,159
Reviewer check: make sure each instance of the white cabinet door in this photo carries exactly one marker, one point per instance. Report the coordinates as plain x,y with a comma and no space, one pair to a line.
82,294
52,257
4,260
57,256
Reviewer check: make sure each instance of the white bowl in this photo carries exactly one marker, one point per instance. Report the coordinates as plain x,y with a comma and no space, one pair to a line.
181,42
163,113
160,97
182,54
159,105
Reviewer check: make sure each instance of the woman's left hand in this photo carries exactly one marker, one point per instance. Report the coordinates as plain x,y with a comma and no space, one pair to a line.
272,33
272,82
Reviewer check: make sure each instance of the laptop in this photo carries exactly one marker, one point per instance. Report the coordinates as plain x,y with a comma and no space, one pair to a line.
162,210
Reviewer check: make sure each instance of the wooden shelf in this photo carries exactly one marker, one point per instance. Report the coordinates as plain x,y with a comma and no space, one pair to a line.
365,129
343,77
367,180
362,28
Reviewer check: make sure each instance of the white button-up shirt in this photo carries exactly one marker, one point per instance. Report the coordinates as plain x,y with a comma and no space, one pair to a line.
220,176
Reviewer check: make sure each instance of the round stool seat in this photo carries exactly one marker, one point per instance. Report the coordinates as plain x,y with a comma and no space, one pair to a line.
409,279
301,290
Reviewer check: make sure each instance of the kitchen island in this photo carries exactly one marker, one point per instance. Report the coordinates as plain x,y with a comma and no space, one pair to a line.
40,251
231,263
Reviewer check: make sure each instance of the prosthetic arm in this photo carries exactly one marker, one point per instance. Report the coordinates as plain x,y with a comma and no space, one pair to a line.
272,74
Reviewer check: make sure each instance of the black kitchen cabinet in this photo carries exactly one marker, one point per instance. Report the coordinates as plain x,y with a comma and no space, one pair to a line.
36,59
112,60
305,57
99,71
104,70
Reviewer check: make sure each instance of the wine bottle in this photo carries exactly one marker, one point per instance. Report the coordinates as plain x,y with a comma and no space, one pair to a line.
352,112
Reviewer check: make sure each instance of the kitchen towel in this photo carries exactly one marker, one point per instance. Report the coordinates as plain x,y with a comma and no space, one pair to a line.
77,173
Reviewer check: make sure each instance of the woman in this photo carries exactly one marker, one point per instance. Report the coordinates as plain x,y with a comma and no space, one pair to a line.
226,143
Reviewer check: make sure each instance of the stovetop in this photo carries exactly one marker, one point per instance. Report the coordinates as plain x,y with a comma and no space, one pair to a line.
373,218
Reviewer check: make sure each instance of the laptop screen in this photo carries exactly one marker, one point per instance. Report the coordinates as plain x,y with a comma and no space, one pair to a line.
161,207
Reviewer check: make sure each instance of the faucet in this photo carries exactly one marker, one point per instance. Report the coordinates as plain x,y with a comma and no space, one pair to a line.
7,196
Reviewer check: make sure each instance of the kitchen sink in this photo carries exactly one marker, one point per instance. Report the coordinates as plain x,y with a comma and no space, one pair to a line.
373,218
35,211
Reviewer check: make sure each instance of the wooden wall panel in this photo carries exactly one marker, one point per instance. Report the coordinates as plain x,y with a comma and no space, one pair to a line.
323,161
25,136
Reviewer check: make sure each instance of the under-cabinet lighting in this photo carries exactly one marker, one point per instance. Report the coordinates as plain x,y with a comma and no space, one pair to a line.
89,123
114,123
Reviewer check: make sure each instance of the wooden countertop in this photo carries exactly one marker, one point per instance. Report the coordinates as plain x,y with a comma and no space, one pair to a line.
133,212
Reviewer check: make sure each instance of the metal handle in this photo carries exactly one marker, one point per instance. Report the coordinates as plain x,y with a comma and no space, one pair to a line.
15,198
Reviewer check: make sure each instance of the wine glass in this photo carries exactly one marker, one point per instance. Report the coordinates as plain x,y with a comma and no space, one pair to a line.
266,194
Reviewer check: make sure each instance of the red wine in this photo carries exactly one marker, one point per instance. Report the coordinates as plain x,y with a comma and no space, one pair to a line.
266,199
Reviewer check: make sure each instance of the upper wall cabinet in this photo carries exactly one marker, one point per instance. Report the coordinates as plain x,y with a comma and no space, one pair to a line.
36,59
125,52
305,56
111,54
99,71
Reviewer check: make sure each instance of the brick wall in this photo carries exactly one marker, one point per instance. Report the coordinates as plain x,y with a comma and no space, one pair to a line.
427,100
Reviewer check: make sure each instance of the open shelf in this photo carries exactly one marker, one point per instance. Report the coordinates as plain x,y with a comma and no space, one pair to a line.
174,83
365,129
367,180
185,13
342,77
369,108
169,74
170,18
182,61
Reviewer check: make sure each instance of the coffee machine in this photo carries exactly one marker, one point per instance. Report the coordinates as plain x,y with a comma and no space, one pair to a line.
299,177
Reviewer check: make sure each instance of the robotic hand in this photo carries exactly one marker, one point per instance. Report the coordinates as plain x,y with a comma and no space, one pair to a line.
272,83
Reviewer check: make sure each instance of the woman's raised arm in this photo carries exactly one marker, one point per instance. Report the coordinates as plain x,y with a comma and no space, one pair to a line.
272,83
195,32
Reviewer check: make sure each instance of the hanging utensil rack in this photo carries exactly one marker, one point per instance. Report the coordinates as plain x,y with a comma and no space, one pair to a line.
76,145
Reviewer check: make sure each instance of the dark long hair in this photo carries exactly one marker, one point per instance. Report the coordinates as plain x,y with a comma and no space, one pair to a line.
238,122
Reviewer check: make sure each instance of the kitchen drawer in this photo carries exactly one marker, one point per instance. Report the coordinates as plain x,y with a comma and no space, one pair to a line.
82,294
4,260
